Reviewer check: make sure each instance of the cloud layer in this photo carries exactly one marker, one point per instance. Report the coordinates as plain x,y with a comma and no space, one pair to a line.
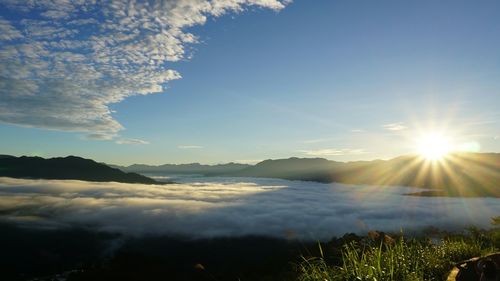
231,207
62,63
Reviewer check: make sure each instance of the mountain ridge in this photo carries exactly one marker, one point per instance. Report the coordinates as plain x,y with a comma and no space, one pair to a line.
66,168
457,174
190,168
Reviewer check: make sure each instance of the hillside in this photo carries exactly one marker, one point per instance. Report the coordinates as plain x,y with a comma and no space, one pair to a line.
459,174
71,167
311,169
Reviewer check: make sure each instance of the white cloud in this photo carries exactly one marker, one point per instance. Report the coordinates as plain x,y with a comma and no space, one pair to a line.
190,147
131,141
98,136
67,67
8,32
399,126
333,152
235,208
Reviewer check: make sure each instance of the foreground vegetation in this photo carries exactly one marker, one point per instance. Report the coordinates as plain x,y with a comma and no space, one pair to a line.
385,258
80,254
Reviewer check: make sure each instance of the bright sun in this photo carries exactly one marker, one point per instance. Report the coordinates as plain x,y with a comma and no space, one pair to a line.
433,146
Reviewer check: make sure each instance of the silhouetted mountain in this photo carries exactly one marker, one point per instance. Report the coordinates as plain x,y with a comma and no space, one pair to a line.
459,174
311,169
5,156
71,167
193,168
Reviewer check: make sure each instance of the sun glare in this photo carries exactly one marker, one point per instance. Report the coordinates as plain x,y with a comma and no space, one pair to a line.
433,147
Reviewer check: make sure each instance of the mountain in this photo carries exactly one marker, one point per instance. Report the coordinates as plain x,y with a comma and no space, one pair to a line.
193,168
309,169
5,156
71,167
458,174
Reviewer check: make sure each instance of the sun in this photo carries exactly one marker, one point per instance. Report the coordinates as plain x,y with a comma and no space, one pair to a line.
433,146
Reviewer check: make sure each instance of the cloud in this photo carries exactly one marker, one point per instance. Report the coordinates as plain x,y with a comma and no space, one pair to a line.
357,131
234,207
7,31
99,136
62,63
310,141
131,141
399,126
189,147
333,152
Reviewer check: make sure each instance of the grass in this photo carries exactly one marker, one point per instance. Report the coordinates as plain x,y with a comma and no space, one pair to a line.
402,260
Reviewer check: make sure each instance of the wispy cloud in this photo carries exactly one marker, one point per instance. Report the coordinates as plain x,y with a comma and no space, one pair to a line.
60,68
333,152
131,141
190,147
98,136
398,126
357,131
310,141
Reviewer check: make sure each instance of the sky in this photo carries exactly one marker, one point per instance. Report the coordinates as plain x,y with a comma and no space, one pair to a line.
184,81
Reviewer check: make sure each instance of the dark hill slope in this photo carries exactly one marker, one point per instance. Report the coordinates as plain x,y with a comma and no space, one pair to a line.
71,167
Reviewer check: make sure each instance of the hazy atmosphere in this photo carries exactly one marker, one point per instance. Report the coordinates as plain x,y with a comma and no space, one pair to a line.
250,140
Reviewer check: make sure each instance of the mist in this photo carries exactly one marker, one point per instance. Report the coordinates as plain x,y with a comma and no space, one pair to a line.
223,207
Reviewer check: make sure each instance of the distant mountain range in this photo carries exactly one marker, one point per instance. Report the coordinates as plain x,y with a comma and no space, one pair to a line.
67,168
458,174
193,168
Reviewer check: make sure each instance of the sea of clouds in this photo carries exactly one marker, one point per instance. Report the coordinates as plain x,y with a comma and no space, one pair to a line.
212,207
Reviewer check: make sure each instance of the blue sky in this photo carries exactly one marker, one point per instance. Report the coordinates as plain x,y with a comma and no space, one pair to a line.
344,80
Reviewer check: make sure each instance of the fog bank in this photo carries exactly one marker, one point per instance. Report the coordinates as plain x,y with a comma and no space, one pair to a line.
211,207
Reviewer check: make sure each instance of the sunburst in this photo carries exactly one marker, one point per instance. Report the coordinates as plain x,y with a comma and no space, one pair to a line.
434,146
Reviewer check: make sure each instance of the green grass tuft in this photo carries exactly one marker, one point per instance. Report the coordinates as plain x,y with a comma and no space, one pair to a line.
403,260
